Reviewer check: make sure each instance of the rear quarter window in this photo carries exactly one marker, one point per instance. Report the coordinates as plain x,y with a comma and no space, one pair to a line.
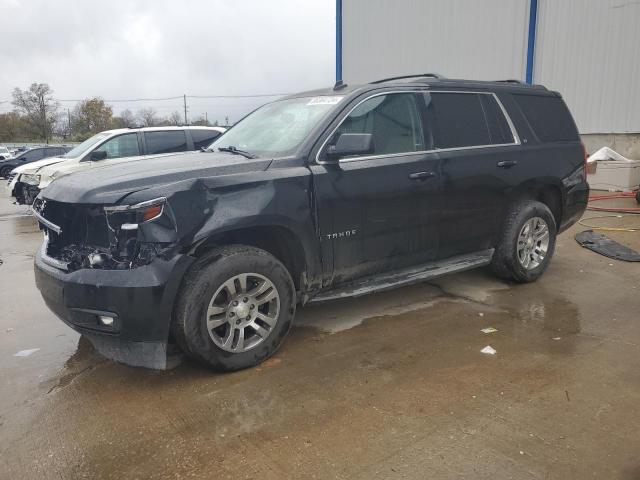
548,117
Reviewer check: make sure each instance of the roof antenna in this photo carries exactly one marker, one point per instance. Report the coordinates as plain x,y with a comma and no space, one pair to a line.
339,85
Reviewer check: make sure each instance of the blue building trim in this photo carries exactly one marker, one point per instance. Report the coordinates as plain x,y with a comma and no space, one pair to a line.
531,44
338,40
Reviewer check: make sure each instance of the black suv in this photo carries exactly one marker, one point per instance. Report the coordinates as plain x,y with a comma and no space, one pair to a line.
29,156
322,195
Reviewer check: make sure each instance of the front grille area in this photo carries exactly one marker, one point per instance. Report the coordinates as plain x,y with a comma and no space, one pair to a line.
74,231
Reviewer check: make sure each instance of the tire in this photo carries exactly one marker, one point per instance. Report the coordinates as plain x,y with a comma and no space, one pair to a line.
510,257
206,290
5,172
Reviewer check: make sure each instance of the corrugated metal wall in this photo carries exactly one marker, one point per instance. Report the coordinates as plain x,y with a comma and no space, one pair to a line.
456,38
589,50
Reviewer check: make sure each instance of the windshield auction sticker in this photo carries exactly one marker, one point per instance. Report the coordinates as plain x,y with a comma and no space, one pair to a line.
324,100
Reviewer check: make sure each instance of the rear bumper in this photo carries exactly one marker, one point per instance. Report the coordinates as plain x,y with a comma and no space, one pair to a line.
139,300
575,203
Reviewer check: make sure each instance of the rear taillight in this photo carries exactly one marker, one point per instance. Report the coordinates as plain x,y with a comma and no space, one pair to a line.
586,157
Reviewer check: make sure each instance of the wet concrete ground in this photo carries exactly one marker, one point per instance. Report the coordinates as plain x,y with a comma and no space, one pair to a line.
388,386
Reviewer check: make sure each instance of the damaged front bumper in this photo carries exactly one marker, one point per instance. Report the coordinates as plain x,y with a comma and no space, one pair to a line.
112,274
140,302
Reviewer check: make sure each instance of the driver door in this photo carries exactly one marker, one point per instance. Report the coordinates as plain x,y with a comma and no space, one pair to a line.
377,212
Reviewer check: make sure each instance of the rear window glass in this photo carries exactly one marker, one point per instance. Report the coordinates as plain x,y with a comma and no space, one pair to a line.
203,138
549,118
459,120
165,142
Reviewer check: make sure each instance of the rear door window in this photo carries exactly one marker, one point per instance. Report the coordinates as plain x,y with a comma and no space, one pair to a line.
394,121
549,117
165,142
33,155
121,146
203,138
458,120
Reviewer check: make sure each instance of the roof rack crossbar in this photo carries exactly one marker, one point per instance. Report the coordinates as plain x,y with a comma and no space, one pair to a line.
402,77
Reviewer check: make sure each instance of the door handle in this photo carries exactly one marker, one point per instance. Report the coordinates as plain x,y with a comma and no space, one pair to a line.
507,163
421,175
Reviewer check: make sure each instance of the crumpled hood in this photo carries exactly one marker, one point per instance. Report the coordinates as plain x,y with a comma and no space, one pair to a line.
33,167
110,183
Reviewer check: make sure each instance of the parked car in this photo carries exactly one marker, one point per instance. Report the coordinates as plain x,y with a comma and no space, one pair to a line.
323,195
110,147
30,156
5,154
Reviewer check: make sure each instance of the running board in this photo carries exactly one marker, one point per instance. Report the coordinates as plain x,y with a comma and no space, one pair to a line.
399,278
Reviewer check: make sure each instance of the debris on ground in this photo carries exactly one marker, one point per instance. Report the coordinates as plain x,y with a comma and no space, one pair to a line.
489,330
556,338
604,245
489,350
26,353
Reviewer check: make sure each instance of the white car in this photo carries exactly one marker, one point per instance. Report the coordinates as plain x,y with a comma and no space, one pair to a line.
5,153
107,148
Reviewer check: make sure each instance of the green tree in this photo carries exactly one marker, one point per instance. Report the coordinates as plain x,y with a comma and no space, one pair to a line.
39,107
91,116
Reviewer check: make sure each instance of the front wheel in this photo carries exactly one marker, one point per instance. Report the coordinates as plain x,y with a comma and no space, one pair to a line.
5,171
235,308
527,242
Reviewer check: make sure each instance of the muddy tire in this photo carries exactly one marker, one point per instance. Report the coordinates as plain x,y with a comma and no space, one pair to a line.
526,244
234,309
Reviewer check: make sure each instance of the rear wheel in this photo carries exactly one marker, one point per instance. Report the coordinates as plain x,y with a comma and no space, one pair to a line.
527,242
235,308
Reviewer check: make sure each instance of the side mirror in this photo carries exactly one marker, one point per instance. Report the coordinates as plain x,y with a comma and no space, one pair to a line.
351,144
98,155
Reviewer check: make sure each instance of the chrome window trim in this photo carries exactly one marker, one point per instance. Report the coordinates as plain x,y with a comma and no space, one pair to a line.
514,133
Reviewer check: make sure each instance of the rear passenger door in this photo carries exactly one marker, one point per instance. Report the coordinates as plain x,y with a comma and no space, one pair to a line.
477,146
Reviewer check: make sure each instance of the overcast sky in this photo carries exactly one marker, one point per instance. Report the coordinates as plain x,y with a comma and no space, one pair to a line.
125,49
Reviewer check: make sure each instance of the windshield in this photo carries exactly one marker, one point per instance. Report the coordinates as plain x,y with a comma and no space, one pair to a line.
277,129
84,146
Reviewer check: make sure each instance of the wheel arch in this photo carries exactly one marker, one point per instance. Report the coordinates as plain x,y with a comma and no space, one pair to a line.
279,241
545,191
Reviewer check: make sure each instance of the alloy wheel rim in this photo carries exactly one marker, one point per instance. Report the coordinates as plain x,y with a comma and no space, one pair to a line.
242,312
533,243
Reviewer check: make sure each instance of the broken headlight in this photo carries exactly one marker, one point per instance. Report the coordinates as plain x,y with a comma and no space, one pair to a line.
138,233
30,179
130,217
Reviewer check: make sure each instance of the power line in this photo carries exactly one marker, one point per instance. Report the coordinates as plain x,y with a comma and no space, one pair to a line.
123,100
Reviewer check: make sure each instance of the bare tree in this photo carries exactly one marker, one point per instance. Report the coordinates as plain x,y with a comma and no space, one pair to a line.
39,107
126,119
148,117
175,119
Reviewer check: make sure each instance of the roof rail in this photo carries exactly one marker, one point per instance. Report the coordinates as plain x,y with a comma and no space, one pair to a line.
402,77
511,80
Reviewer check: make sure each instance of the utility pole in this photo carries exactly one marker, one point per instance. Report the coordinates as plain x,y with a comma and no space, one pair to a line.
206,118
186,122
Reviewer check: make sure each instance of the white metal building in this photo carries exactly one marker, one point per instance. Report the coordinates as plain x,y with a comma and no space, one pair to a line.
589,50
